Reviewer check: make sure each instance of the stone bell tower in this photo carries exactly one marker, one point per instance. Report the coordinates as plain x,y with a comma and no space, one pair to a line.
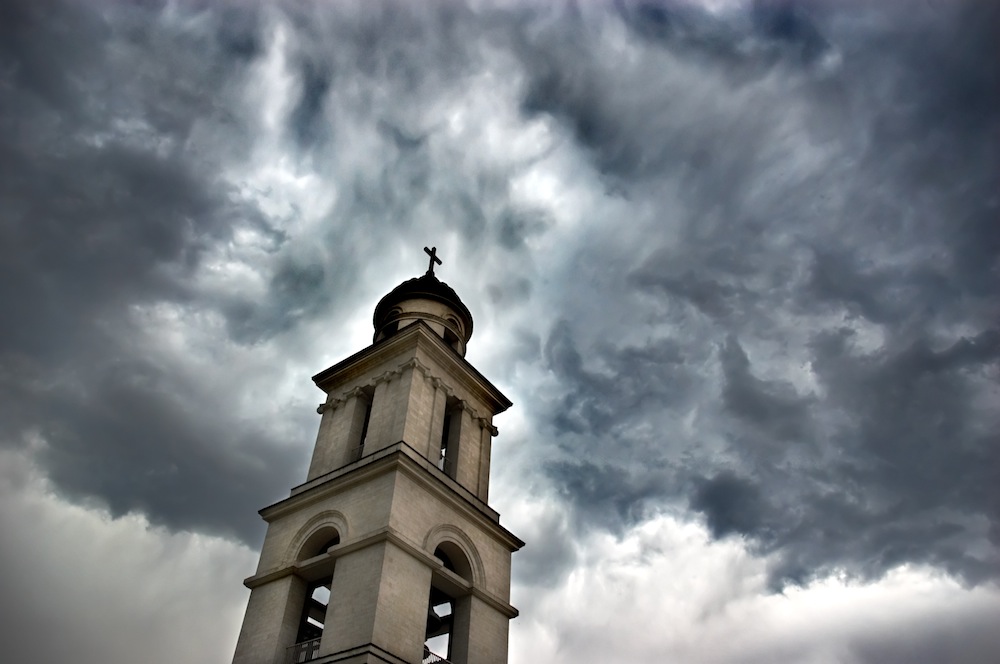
389,551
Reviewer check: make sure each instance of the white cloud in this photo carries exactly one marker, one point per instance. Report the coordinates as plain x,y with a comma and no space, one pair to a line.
666,592
89,588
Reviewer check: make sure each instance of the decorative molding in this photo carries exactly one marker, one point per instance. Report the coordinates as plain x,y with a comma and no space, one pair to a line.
330,404
420,335
358,391
486,424
414,363
447,532
387,376
406,459
503,607
325,519
256,580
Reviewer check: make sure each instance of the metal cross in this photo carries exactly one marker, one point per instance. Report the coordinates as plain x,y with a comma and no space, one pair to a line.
432,252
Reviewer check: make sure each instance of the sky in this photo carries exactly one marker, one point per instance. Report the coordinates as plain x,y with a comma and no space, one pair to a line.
735,263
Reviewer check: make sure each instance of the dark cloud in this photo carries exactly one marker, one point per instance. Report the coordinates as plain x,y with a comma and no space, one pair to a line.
108,205
613,496
779,312
770,405
601,401
731,505
123,126
552,554
738,265
869,444
307,120
137,437
786,21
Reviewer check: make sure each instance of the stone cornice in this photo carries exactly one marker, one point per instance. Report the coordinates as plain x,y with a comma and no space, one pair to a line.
399,456
334,402
418,334
352,654
307,568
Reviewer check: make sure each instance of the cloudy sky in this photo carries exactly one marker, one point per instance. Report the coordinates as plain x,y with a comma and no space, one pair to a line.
736,263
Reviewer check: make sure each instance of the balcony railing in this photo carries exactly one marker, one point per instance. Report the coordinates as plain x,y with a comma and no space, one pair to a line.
303,651
431,658
306,651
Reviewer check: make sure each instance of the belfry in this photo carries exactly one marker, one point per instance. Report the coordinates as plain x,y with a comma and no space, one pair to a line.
389,551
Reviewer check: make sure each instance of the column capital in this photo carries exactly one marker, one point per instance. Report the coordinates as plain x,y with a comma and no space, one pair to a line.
329,404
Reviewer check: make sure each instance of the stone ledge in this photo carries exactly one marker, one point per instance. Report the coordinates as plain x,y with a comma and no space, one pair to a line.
378,462
360,655
457,584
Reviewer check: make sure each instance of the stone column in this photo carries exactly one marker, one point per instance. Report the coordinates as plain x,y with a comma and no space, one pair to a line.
468,457
322,458
339,432
485,446
382,413
350,615
419,405
378,595
460,646
271,622
487,634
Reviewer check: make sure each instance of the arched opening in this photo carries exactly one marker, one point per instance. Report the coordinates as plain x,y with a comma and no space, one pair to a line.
447,626
318,543
454,559
452,340
317,594
389,328
453,334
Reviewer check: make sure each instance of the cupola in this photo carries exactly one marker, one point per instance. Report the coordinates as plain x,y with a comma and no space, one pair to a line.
427,299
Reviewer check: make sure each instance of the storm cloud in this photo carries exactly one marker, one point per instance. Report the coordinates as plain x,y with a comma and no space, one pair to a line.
735,262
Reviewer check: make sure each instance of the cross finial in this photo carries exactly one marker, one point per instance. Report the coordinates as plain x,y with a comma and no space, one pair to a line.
432,252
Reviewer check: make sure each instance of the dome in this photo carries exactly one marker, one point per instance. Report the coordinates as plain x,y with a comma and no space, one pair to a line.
429,299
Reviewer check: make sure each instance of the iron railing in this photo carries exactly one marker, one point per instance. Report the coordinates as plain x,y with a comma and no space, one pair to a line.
306,651
303,652
431,658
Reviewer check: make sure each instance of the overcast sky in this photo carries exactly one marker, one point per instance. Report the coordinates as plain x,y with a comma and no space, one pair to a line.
736,264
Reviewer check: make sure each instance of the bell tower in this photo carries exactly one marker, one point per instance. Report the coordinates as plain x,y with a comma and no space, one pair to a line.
389,552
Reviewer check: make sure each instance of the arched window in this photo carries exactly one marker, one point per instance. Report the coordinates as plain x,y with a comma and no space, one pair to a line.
452,333
452,340
390,328
454,559
318,543
317,596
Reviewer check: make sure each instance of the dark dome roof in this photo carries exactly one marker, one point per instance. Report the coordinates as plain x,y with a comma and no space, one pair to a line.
426,287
